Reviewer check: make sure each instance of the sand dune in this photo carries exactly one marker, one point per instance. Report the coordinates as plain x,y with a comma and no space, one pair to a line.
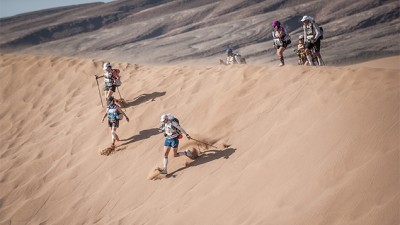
295,145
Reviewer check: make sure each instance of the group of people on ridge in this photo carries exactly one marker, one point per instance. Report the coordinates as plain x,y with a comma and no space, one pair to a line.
170,125
308,46
308,41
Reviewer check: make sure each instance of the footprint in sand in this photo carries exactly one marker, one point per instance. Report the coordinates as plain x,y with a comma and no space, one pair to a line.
155,174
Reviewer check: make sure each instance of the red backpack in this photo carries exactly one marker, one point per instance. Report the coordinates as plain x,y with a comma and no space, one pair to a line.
116,77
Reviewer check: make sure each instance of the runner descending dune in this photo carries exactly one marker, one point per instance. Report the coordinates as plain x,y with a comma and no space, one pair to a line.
291,145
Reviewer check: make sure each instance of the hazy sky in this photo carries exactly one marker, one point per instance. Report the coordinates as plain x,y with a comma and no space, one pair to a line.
14,7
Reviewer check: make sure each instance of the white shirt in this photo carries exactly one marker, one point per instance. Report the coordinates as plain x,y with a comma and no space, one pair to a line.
170,131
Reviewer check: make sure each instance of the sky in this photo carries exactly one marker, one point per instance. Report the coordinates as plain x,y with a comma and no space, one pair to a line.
14,7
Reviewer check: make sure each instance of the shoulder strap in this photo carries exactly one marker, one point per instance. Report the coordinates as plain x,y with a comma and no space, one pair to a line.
174,120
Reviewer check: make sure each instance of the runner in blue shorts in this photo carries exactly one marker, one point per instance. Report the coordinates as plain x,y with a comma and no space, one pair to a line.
172,132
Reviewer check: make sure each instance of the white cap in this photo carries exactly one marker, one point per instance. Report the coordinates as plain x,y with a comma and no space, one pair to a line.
106,65
166,116
305,18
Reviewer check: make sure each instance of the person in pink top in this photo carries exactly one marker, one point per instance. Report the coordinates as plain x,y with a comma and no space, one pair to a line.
281,40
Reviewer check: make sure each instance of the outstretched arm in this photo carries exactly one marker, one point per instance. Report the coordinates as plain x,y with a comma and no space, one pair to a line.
175,124
317,31
105,114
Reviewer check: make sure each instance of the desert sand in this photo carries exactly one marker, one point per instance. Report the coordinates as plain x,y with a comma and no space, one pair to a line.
294,145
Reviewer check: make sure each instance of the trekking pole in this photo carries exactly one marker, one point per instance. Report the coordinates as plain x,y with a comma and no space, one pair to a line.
119,93
98,87
123,101
203,143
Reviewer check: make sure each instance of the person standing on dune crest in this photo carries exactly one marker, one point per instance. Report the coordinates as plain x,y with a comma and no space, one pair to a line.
313,34
232,58
172,132
301,52
281,40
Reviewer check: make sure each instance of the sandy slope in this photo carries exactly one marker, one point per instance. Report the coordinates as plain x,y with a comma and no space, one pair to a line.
306,145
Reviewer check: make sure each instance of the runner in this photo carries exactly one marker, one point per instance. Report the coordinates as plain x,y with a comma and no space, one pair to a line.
281,40
114,114
172,132
111,79
312,38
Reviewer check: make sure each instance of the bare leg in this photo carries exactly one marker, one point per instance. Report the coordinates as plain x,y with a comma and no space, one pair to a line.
187,153
165,161
109,93
280,55
319,58
166,151
114,136
309,58
177,154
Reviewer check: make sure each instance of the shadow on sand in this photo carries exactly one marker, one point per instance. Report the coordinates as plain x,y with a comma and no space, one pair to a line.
144,98
205,157
144,134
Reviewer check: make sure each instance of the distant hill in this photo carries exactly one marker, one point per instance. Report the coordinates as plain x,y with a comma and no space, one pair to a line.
146,31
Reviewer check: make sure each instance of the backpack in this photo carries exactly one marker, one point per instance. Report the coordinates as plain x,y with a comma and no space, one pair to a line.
173,127
322,32
288,40
176,129
113,113
116,77
279,41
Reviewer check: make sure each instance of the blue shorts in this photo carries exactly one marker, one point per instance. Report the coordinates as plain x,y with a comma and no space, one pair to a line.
173,142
